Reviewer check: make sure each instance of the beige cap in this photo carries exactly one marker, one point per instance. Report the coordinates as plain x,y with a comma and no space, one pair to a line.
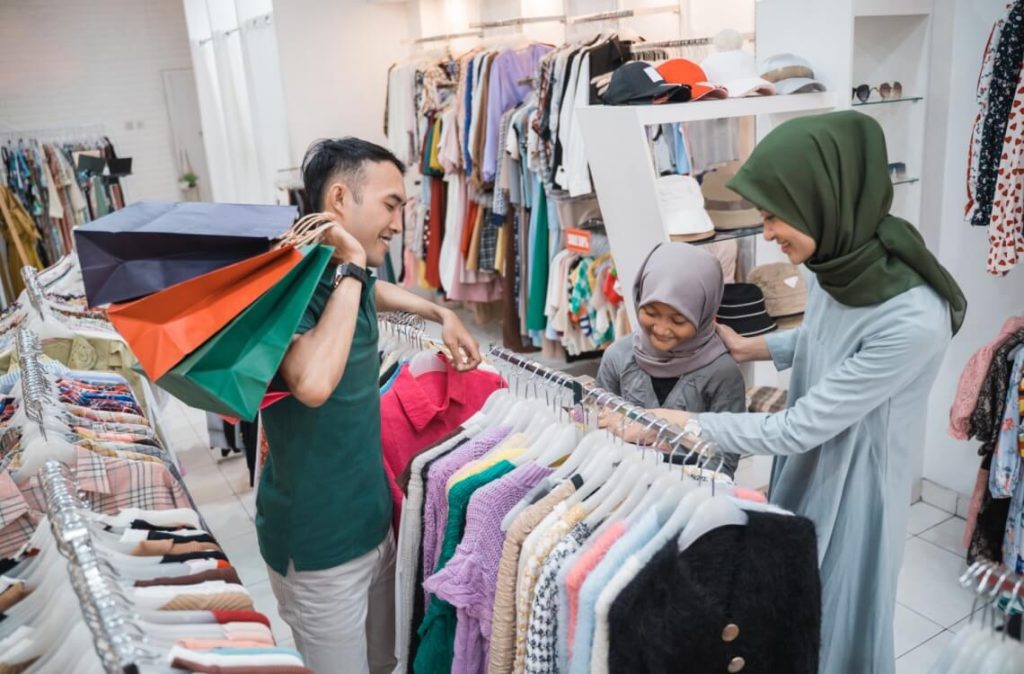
727,209
785,292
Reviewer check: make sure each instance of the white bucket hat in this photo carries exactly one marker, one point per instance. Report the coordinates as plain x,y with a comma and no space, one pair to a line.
736,71
682,209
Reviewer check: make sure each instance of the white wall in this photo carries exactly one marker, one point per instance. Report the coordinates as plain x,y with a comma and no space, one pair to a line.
80,62
960,30
335,56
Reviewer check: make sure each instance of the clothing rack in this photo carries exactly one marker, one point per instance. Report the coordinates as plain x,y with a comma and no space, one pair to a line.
624,14
411,328
34,290
444,37
993,579
536,369
36,390
598,399
687,42
520,21
98,594
83,133
34,384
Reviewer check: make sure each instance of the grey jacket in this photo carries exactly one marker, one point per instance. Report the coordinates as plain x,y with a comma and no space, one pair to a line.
717,387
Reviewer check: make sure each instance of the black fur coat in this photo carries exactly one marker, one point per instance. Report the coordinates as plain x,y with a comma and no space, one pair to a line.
739,599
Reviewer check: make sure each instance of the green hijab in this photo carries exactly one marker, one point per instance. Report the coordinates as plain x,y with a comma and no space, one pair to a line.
827,176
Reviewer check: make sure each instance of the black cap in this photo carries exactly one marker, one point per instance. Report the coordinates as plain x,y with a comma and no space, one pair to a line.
744,311
639,83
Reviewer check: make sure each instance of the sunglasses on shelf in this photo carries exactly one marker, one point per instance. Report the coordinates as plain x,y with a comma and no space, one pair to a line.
863,91
898,170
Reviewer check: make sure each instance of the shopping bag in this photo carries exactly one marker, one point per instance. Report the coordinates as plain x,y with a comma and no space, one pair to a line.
152,245
164,327
230,373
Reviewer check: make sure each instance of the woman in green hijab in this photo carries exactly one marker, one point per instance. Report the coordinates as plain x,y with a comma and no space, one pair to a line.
880,314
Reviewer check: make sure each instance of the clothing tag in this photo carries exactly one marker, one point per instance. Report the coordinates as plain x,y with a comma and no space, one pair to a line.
792,281
654,75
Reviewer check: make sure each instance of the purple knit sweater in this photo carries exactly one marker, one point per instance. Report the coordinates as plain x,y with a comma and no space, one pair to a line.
435,503
469,579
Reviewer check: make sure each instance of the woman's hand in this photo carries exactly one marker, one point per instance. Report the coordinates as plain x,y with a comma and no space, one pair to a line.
743,349
633,432
733,341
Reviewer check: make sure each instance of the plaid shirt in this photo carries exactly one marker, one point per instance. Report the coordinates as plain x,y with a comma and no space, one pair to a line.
766,399
110,485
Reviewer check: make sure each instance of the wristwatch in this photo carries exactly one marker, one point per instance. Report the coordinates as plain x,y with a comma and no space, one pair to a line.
347,269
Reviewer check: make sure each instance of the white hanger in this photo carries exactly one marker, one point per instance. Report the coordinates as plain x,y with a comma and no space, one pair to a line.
426,361
636,495
562,445
622,482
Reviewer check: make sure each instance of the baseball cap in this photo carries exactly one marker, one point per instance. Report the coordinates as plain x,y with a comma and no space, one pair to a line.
736,71
639,83
683,71
682,209
791,74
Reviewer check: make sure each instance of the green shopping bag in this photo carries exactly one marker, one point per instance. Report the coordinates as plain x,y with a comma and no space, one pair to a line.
230,373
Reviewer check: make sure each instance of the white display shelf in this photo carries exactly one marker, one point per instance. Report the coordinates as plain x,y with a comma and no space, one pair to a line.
888,101
892,7
695,111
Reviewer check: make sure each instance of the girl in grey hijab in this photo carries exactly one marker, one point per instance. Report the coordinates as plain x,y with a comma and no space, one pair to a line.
674,359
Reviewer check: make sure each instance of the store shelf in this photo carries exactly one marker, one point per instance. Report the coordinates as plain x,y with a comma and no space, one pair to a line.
890,101
906,181
726,235
892,7
695,111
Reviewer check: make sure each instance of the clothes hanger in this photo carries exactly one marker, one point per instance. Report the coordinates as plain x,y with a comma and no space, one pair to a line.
623,481
712,514
425,361
610,491
589,442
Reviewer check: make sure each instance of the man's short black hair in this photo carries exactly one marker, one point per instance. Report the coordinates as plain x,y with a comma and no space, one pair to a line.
342,158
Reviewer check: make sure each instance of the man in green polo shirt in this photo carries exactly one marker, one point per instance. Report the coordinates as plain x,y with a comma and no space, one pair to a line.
323,509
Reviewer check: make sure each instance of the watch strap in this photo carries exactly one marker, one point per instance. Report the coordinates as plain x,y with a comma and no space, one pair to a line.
346,270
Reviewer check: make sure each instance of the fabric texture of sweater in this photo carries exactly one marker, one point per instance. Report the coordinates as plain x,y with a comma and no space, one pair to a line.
678,607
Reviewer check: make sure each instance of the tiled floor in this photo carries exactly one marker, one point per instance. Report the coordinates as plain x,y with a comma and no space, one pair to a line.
930,608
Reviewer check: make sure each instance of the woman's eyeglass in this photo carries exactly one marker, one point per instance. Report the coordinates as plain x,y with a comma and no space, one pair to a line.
863,91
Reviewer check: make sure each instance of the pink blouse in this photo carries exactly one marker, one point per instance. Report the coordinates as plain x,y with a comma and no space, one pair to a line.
582,568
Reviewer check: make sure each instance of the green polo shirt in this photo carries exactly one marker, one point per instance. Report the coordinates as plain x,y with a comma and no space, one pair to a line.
323,497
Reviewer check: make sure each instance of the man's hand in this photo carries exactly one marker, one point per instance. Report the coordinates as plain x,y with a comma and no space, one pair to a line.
346,247
464,349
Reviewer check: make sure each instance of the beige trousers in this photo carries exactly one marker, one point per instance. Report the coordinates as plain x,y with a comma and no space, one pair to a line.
343,618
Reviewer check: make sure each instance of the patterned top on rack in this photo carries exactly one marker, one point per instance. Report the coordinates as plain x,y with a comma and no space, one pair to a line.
110,485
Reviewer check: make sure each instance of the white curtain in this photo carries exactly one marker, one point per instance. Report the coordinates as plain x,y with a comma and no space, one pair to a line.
241,102
222,184
266,97
237,111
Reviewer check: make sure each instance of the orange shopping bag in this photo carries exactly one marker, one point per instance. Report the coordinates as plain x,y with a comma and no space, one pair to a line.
164,327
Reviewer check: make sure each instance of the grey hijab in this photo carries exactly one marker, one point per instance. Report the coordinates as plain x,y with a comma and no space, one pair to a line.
690,281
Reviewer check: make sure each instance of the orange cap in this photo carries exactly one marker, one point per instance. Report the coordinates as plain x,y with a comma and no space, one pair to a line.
682,71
